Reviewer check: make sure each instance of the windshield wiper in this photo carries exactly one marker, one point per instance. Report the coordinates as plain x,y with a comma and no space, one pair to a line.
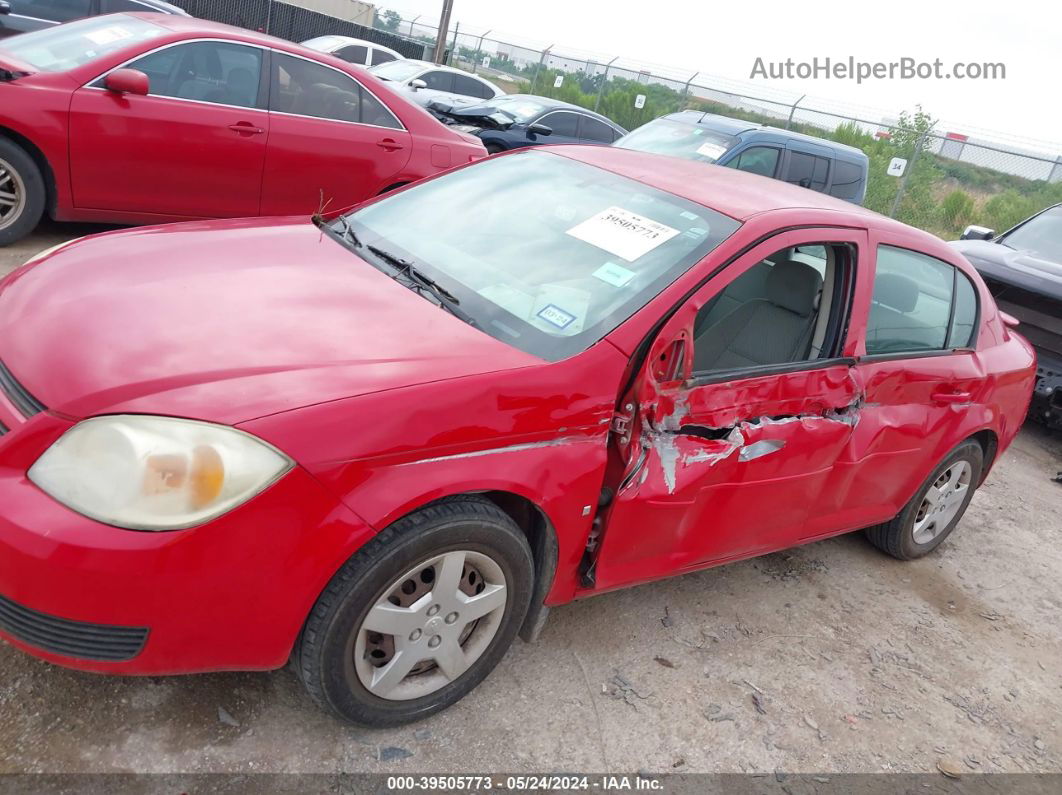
422,283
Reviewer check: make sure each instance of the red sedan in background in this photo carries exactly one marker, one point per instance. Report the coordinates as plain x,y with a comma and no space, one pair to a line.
385,443
145,118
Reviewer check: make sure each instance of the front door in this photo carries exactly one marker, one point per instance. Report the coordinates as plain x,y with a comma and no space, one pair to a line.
747,398
332,143
193,147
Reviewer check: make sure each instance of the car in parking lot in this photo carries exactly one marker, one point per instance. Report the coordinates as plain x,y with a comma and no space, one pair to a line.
1023,269
383,444
145,118
424,82
518,120
351,50
804,160
22,16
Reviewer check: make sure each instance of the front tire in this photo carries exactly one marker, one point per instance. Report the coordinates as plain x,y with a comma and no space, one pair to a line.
419,616
22,193
937,507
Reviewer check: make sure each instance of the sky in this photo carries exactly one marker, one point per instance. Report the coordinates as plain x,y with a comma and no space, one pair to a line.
723,41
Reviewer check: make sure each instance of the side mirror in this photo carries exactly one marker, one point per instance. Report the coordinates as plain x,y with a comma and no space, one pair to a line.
539,129
5,7
977,233
417,84
127,81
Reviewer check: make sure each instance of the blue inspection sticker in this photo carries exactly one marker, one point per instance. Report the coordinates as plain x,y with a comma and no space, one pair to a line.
555,316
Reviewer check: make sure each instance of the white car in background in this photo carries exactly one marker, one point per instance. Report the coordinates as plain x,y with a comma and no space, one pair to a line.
424,82
351,50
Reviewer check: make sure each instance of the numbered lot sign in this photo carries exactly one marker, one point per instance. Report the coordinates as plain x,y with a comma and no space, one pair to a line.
639,101
896,167
559,81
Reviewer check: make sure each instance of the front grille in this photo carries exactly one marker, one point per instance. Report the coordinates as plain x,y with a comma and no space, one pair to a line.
17,394
70,638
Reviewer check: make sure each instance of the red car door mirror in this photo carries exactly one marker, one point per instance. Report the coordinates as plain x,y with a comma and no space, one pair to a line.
127,81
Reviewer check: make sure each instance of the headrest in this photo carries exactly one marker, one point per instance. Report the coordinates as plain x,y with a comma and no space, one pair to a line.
896,291
794,286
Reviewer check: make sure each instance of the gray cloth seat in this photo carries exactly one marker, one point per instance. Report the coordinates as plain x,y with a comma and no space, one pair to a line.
770,330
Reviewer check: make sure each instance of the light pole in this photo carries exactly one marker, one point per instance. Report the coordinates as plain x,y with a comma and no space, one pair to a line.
444,27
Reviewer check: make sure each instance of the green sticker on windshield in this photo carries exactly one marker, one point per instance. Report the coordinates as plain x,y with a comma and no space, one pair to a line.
614,274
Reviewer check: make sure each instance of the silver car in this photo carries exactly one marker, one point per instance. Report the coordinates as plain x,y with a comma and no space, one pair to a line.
424,82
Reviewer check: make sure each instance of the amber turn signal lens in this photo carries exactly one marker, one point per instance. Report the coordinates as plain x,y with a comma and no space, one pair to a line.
207,476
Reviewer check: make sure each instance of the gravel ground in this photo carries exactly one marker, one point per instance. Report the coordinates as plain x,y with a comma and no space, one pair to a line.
826,658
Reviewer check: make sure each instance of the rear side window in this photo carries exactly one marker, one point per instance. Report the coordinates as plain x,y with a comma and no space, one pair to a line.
762,160
597,131
919,303
381,56
439,81
354,53
305,88
807,171
847,181
470,87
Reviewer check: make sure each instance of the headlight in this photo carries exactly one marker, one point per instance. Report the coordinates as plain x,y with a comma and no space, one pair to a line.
468,128
155,473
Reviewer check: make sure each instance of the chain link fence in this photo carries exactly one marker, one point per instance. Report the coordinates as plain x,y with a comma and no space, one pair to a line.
951,179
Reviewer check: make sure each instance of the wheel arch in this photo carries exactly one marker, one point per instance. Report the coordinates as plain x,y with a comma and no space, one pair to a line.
989,441
39,158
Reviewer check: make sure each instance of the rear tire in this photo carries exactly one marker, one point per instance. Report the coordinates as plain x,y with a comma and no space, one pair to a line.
22,193
936,508
452,582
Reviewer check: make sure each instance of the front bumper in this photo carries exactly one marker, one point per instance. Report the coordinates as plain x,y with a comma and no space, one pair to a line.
229,595
1046,405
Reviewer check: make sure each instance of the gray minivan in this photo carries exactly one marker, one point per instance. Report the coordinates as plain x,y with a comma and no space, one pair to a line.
804,160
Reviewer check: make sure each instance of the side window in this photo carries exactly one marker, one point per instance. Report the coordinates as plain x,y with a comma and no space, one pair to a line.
594,130
562,123
439,81
911,308
55,10
847,180
781,310
206,71
354,53
305,88
381,56
762,160
807,171
470,87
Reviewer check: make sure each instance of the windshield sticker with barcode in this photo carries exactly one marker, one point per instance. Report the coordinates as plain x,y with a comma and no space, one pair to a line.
711,150
622,233
614,274
108,35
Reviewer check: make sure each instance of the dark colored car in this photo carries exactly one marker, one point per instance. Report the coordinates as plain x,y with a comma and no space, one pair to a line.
815,163
22,16
1023,269
519,120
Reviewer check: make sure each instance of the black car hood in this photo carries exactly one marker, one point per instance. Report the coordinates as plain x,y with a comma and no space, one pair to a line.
1011,266
483,115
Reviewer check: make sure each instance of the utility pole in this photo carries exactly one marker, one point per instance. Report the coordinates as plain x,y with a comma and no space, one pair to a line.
444,27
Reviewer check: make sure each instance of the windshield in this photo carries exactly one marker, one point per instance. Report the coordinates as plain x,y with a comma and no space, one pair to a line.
1041,235
521,110
678,139
397,70
543,252
74,44
323,43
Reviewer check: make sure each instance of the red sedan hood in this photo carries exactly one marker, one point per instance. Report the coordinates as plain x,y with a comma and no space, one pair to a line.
224,321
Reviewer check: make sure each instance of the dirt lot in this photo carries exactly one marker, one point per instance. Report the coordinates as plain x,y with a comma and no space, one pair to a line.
826,658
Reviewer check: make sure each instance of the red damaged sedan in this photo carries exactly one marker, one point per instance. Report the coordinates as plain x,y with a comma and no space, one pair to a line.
384,444
146,118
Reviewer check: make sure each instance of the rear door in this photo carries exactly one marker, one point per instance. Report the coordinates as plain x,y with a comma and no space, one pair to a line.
595,131
194,146
922,377
806,165
332,143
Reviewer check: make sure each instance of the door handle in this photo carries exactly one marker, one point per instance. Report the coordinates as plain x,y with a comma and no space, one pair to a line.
390,144
950,398
245,128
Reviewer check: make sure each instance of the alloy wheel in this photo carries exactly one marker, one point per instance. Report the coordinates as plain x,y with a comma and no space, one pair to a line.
12,194
429,626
